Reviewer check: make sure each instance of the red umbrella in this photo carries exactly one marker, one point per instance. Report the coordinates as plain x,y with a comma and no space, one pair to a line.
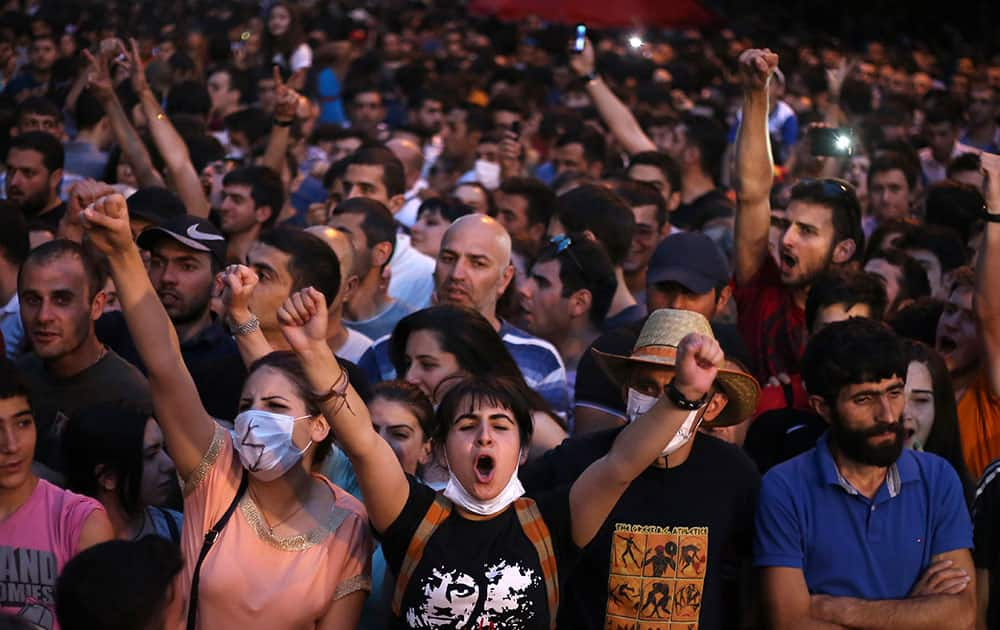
600,13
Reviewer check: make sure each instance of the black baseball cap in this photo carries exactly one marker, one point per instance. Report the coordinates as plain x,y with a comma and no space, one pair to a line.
691,259
155,204
198,234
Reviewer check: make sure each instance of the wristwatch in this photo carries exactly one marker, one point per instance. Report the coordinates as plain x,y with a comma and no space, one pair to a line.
241,330
682,402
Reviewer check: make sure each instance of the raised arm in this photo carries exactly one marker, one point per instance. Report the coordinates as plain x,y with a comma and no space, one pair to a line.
132,147
170,144
599,487
614,113
948,602
186,425
238,283
754,166
285,108
988,280
383,484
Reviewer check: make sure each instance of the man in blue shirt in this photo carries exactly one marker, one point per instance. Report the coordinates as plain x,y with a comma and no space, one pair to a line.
858,532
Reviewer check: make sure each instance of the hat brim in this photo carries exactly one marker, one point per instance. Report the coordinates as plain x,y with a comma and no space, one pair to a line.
742,389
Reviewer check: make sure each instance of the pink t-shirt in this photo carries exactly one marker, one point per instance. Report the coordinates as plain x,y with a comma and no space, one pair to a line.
251,579
36,542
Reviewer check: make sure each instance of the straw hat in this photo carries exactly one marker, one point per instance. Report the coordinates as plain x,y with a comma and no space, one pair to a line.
657,346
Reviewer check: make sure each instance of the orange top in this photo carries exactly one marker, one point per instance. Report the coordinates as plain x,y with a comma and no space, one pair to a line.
979,424
251,579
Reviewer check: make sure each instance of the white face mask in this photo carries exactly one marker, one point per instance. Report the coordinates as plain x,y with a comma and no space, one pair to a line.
458,495
639,404
264,443
488,174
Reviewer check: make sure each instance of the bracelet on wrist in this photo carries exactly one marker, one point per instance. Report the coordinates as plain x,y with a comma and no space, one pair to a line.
241,330
337,391
681,401
283,123
591,76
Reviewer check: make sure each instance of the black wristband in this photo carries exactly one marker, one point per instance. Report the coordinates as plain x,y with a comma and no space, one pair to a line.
591,76
991,217
682,402
283,123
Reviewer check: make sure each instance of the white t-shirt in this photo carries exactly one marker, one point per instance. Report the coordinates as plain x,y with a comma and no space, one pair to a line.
354,346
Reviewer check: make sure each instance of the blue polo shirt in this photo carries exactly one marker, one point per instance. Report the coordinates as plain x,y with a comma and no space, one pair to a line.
810,517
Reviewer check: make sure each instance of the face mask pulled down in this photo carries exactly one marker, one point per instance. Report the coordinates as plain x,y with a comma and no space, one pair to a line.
264,443
639,404
460,496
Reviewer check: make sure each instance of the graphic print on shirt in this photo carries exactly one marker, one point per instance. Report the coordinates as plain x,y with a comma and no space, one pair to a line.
499,598
28,584
657,577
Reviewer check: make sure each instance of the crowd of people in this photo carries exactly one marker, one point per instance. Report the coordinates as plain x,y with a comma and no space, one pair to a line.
333,316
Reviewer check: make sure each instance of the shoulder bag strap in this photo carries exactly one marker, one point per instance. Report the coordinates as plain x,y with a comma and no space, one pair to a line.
210,537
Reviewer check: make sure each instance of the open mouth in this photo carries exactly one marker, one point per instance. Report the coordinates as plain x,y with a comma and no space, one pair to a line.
788,261
485,467
946,345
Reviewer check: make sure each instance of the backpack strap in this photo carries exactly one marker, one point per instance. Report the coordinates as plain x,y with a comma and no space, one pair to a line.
210,537
537,531
435,515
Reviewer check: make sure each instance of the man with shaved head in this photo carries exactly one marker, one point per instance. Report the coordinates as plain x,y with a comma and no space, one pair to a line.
345,342
473,270
412,158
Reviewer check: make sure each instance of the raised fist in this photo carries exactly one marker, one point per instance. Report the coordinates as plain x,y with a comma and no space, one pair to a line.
756,67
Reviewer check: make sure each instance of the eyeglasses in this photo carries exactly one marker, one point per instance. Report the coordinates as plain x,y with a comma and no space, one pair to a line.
561,243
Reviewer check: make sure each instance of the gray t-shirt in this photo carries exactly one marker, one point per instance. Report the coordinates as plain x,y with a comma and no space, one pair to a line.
383,323
112,379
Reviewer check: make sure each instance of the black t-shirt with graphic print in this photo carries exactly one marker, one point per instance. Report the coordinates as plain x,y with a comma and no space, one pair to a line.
477,574
667,556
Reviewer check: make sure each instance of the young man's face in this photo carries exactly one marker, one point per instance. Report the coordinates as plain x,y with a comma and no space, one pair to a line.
645,238
982,105
957,339
570,158
32,121
56,306
29,183
183,279
367,110
43,54
17,442
238,213
544,310
655,177
942,137
889,195
430,116
274,284
512,214
366,180
806,247
866,421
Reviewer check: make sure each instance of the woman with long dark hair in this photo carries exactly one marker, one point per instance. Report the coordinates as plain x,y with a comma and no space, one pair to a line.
438,346
117,456
284,42
930,416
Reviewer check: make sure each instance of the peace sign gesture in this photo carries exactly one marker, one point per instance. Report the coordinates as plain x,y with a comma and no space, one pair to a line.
286,103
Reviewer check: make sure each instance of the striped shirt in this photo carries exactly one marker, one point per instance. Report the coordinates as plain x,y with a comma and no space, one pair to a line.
540,364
